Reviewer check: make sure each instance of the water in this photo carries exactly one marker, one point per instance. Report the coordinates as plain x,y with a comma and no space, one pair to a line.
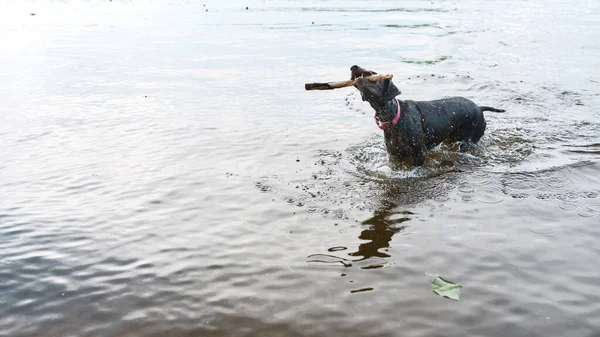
166,174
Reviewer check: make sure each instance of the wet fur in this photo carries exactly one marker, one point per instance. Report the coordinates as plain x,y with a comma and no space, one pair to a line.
422,124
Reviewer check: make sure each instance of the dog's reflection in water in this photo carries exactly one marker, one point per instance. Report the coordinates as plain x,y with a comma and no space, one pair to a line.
391,217
380,229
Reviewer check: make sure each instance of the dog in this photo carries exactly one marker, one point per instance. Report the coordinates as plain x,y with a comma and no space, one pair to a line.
412,128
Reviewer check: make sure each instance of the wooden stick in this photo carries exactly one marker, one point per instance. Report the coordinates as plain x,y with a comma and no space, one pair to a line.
343,84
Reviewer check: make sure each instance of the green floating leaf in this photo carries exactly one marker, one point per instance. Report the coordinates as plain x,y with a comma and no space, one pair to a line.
445,288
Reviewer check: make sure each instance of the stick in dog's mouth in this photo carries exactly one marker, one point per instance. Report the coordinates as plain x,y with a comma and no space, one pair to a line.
344,84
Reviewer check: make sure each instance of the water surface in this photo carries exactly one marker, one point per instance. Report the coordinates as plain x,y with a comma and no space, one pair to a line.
166,174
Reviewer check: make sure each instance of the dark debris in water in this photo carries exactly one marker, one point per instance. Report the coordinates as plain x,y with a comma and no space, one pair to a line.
428,62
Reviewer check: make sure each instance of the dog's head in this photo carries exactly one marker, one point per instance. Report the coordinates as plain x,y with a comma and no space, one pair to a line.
376,93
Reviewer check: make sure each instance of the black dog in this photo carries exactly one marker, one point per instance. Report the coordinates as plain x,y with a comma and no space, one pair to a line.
411,128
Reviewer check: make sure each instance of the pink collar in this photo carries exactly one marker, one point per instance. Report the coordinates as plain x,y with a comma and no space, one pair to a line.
386,125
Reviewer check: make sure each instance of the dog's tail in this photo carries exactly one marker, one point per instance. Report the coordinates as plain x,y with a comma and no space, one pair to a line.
489,108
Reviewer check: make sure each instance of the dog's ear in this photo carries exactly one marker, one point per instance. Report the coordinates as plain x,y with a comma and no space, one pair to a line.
390,90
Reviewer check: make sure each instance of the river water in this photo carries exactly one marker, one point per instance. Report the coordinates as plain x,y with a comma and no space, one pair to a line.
165,173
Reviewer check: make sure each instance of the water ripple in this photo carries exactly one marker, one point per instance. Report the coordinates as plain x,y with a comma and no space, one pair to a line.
195,188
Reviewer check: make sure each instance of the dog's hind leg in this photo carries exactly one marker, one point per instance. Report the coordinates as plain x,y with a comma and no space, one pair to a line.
478,131
464,145
467,141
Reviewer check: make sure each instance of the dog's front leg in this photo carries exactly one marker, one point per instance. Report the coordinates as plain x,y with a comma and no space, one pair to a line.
419,157
418,161
395,161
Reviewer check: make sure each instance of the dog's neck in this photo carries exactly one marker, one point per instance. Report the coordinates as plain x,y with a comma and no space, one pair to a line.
388,111
389,123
